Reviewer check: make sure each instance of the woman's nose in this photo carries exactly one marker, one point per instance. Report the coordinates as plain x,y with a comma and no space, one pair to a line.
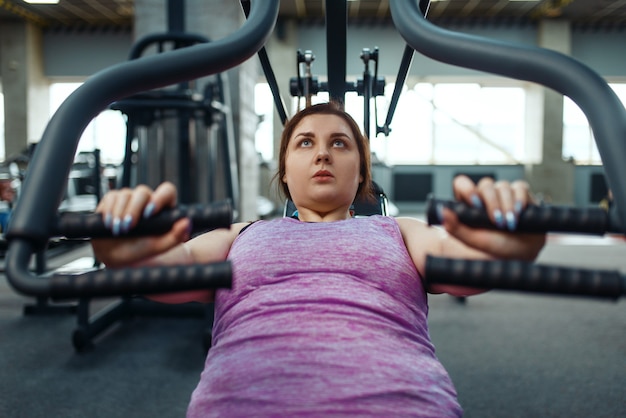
323,155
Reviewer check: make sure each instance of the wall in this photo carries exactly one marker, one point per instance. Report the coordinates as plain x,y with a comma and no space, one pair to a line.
80,53
408,186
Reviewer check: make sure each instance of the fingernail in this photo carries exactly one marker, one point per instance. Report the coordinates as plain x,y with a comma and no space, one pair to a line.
518,207
147,212
126,223
108,220
497,214
511,221
439,209
116,226
476,202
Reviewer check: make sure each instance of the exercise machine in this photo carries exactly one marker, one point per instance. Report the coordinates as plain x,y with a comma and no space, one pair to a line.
114,84
165,120
38,218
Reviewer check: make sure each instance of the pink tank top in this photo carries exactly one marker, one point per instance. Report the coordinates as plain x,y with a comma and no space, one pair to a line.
329,319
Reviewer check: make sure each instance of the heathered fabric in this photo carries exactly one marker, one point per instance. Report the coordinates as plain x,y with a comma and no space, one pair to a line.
329,320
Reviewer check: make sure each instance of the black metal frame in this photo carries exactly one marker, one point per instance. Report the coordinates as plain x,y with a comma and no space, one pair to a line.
337,86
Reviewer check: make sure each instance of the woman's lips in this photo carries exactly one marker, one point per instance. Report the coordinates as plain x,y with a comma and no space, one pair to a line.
323,175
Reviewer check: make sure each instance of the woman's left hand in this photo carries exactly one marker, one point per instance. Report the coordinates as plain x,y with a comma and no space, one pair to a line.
503,202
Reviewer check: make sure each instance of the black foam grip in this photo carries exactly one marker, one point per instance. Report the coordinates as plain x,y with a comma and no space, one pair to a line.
534,219
524,276
143,280
203,218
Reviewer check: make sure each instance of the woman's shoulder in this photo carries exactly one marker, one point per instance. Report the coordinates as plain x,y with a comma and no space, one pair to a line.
214,245
410,223
412,228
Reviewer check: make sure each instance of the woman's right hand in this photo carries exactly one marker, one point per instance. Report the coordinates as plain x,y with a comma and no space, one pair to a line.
121,210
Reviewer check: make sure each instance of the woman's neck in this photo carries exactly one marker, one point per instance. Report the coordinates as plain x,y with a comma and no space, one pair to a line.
307,215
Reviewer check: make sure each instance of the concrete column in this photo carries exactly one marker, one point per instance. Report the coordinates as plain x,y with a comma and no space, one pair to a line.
552,178
150,17
25,89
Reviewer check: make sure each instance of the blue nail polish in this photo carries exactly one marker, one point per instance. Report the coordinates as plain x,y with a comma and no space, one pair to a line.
497,214
147,212
518,207
126,223
116,226
511,221
108,220
476,202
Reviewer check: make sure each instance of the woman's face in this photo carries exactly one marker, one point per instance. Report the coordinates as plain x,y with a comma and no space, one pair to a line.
322,164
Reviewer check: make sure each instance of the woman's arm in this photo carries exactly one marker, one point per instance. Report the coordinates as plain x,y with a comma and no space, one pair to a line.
210,247
503,202
121,210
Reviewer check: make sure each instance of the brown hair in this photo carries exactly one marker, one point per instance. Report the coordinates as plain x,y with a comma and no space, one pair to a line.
365,190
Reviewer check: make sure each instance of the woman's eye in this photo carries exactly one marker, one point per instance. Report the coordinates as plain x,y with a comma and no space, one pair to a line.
339,143
305,143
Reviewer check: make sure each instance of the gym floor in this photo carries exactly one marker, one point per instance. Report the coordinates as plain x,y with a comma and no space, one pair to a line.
510,354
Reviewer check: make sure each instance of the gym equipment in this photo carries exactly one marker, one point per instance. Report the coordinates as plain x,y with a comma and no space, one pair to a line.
370,86
36,220
205,111
525,276
83,191
154,119
34,223
203,115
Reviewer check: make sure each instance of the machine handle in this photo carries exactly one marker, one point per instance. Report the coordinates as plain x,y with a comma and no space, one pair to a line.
203,218
143,280
535,219
525,276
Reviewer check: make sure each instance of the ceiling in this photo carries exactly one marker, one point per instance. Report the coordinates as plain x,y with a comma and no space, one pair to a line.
88,13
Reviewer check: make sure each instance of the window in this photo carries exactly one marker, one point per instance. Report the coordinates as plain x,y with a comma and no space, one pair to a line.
454,123
264,108
457,123
106,132
445,123
578,141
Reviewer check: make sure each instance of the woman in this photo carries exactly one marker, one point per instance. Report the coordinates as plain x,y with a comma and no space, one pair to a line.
328,313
